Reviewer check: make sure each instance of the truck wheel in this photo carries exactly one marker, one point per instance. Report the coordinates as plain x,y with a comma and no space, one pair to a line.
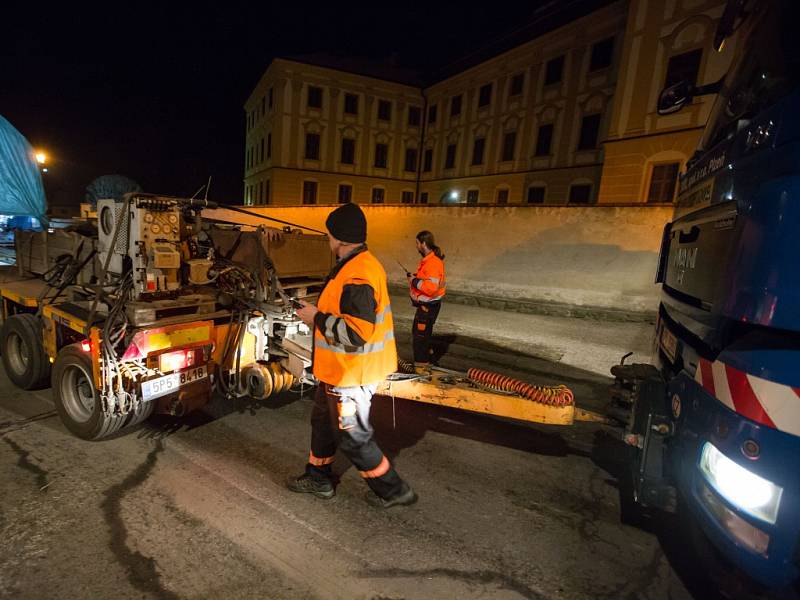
24,358
77,400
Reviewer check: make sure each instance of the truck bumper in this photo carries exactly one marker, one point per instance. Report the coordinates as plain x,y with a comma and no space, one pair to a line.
765,551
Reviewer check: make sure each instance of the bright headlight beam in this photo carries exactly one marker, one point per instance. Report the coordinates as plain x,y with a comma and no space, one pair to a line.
742,488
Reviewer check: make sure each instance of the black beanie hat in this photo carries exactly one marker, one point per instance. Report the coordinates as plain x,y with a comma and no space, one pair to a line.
348,224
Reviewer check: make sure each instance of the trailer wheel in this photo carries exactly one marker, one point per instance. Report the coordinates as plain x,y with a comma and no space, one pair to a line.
78,401
24,358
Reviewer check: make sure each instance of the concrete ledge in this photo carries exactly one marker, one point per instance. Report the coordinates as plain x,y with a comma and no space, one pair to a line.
538,307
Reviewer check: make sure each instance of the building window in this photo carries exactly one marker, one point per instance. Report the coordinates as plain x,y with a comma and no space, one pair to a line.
262,151
381,155
345,193
662,183
269,98
423,198
590,126
536,194
544,139
684,67
351,104
314,97
517,82
377,195
427,161
472,196
554,70
450,157
502,196
432,114
384,110
509,141
348,155
260,192
408,197
312,146
414,116
477,151
455,106
309,192
411,160
580,194
266,192
485,95
269,145
602,53
263,105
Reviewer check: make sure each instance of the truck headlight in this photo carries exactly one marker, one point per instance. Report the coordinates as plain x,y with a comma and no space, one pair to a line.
747,491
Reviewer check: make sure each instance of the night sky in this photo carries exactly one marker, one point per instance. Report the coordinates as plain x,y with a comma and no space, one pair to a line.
158,95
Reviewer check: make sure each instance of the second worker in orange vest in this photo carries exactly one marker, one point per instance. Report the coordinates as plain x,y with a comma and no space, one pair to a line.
354,350
427,288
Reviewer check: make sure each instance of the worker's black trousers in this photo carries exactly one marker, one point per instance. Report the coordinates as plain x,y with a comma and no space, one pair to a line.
424,320
340,417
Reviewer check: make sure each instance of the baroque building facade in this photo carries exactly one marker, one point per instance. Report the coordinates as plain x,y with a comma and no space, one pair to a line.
566,117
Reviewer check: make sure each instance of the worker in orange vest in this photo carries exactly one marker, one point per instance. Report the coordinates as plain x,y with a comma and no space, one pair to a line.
354,350
427,288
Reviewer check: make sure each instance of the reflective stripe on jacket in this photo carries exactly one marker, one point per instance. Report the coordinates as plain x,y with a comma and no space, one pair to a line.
428,284
353,330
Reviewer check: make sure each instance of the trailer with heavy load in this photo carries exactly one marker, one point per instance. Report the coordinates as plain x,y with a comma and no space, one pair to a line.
154,309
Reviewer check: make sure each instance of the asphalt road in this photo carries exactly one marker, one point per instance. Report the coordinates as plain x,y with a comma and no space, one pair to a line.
197,508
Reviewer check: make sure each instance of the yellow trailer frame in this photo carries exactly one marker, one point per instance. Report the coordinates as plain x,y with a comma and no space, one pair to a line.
442,389
435,387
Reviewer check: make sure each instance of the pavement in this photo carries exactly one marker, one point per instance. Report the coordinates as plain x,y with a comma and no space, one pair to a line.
197,507
586,344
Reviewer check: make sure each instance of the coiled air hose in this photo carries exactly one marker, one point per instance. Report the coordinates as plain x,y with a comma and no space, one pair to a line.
559,395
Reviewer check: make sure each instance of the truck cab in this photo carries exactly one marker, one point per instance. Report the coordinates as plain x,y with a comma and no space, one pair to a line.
728,331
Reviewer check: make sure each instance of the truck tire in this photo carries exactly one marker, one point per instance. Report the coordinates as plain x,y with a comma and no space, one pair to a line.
78,401
24,358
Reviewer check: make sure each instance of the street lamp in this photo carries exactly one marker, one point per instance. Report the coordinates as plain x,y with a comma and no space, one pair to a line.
41,158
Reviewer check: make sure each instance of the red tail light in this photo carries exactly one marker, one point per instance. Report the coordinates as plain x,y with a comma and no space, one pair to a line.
175,361
86,346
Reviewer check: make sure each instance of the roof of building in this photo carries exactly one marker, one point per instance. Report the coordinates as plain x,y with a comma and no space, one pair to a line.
544,19
386,70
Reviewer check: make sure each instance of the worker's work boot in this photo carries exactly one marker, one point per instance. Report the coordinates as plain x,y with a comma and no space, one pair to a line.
308,484
404,498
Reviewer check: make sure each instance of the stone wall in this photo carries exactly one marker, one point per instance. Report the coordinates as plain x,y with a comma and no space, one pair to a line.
578,260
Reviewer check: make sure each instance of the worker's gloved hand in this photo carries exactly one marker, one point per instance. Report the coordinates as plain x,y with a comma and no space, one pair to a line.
306,313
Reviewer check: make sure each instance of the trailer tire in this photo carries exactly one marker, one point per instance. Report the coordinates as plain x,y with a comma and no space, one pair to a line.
24,358
77,400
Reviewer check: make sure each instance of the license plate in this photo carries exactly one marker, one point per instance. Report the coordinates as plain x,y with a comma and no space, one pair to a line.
155,388
668,343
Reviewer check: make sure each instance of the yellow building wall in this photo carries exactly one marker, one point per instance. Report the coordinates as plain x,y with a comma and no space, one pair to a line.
638,137
629,163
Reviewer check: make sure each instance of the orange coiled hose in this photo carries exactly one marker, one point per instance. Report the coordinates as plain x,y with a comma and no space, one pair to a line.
559,395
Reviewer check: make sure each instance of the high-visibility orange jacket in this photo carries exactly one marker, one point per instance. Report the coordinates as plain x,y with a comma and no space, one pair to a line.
353,330
428,284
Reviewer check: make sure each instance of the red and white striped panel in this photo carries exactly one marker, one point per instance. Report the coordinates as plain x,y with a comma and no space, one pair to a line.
772,404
